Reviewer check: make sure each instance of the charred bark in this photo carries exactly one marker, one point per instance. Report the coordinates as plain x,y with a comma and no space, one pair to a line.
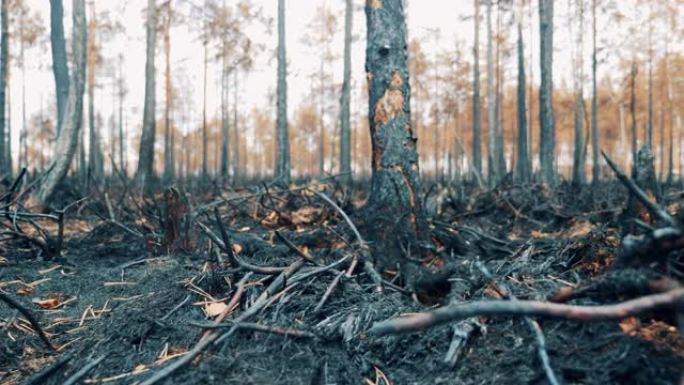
394,209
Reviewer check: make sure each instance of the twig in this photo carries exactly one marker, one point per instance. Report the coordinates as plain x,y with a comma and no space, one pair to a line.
531,323
175,308
651,206
84,370
257,327
450,313
29,316
240,263
279,282
204,342
328,292
363,246
40,377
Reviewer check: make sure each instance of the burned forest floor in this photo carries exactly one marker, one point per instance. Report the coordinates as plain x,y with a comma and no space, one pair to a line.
137,283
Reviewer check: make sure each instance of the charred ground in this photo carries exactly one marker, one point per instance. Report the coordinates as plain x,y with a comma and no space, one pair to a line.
134,285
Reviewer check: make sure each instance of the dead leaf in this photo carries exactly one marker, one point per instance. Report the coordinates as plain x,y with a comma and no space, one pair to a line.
237,248
271,219
214,309
629,325
306,215
25,290
49,303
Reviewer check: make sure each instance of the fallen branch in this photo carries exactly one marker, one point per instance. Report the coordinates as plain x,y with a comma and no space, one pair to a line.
83,371
363,246
639,194
286,332
29,316
531,323
451,313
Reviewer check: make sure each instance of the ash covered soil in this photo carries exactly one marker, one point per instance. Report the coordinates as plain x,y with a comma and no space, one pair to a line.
136,293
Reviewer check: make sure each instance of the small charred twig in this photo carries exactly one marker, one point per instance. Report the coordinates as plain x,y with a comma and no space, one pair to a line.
240,263
29,316
228,245
328,291
639,194
279,282
531,323
294,248
83,371
364,249
257,328
175,308
40,377
451,313
207,338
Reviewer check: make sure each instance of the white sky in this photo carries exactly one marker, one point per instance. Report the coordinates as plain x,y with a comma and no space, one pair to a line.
450,17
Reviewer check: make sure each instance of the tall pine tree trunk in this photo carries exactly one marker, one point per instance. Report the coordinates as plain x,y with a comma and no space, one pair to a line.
59,58
205,148
394,208
523,165
65,147
169,172
283,145
477,119
491,102
146,159
632,112
95,163
595,169
579,160
546,119
4,62
225,126
345,139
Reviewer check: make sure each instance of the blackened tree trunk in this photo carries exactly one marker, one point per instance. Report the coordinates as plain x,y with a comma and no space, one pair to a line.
491,102
146,159
595,169
4,61
169,172
65,146
500,156
237,171
394,208
345,132
632,112
225,126
59,58
477,118
579,160
205,148
283,143
523,166
649,122
546,119
95,158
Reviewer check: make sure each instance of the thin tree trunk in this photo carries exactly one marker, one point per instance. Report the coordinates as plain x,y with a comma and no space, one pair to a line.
168,149
632,111
395,198
579,159
95,164
146,159
546,119
524,172
283,145
65,146
122,145
321,119
237,171
225,126
500,156
59,58
491,102
205,149
4,62
596,169
649,126
477,119
345,145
